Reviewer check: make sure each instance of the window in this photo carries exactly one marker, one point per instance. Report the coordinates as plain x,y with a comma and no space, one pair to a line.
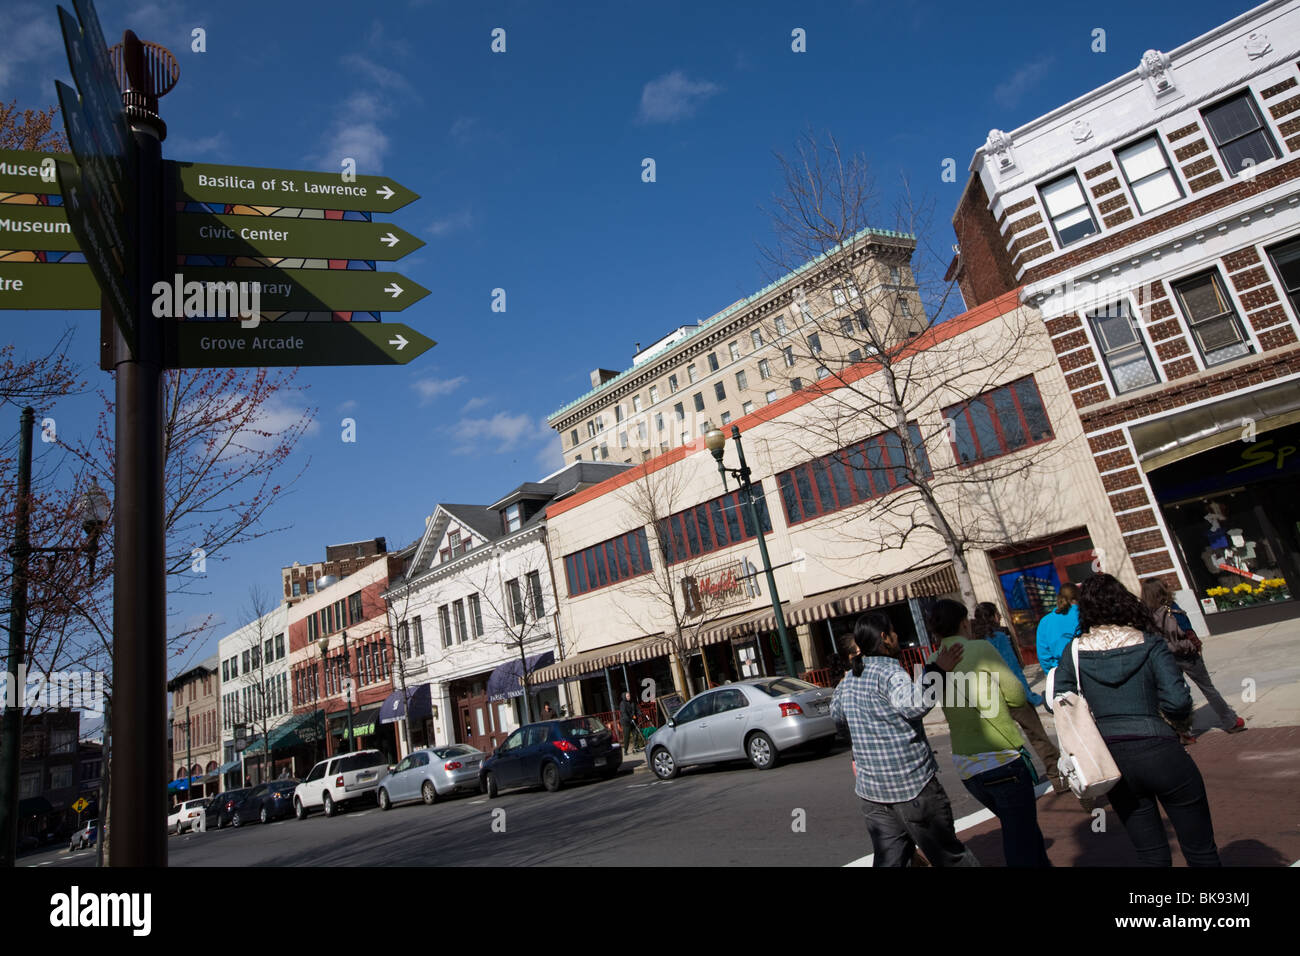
403,639
476,615
1122,348
642,433
855,356
704,427
838,296
904,307
515,600
573,437
1286,260
354,606
796,384
538,605
734,350
297,589
63,742
672,383
757,338
814,343
622,440
462,631
311,585
609,562
681,412
741,381
862,471
654,394
779,322
247,666
805,312
1146,170
686,438
1238,130
846,327
595,453
822,372
604,452
279,646
893,275
690,372
659,421
746,408
719,391
764,368
618,414
268,650
998,422
861,316
713,361
234,661
225,671
711,526
1212,318
444,625
788,352
726,418
636,403
417,628
770,396
1068,209
698,398
60,777
591,429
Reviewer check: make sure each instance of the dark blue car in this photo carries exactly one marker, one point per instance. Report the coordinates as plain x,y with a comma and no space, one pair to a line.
551,753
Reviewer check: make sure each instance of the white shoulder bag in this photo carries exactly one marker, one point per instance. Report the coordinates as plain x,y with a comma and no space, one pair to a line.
1086,763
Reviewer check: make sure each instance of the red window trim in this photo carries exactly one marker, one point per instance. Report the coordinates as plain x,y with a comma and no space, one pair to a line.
987,399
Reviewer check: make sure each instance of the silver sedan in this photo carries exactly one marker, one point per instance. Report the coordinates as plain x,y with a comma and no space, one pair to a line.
755,719
431,773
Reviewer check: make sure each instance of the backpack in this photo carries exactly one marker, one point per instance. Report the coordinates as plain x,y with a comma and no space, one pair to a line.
1189,645
1085,763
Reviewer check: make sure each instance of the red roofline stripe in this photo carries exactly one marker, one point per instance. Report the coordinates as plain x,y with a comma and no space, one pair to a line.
973,318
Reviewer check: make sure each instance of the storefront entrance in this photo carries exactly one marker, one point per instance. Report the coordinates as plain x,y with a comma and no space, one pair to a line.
480,722
1032,573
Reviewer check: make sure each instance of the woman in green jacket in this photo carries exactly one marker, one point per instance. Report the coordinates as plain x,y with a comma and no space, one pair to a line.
986,744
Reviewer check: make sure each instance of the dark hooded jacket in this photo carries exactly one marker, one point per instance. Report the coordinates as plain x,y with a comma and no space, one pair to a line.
1129,680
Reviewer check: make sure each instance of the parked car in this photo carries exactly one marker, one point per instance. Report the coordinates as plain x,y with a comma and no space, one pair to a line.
186,815
84,837
551,753
275,800
226,806
431,773
243,806
755,720
340,781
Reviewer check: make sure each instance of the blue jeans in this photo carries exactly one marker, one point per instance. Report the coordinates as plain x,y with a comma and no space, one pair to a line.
1009,793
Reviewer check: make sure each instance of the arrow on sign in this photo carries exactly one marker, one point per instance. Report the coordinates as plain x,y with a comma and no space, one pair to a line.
283,237
398,341
299,189
390,239
394,289
316,290
226,345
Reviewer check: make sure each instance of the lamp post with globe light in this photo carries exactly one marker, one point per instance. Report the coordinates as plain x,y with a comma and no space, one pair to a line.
716,442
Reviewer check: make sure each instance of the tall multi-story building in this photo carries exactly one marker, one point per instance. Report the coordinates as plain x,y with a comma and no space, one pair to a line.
300,580
50,775
196,729
738,360
1155,222
255,695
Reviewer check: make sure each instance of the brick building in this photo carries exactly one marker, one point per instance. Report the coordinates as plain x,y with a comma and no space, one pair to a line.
196,730
1155,222
300,580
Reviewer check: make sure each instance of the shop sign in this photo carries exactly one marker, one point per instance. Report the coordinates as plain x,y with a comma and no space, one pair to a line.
721,586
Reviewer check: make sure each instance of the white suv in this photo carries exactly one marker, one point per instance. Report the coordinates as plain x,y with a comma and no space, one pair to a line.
187,816
338,781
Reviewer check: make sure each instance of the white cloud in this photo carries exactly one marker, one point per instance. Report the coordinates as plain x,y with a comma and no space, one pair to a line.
347,406
453,222
378,74
672,97
355,134
462,131
1009,93
500,433
477,402
431,388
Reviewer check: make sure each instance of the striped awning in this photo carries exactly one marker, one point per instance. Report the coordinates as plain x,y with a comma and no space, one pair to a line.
597,659
748,622
856,598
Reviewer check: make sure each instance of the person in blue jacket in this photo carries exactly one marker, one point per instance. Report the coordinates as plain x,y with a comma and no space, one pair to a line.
1058,627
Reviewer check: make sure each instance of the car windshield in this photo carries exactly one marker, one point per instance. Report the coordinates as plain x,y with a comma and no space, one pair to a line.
782,686
581,727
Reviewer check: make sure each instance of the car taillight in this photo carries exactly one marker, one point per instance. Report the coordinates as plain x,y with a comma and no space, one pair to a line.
338,782
791,710
568,746
454,765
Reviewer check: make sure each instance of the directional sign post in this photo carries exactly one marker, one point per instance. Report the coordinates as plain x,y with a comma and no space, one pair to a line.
226,345
23,171
299,189
282,237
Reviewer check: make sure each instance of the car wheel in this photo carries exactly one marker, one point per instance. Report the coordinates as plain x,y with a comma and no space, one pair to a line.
384,802
429,792
236,821
327,804
490,786
264,817
299,810
662,763
761,751
551,777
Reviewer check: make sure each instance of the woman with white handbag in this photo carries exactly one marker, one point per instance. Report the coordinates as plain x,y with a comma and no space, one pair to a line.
1129,679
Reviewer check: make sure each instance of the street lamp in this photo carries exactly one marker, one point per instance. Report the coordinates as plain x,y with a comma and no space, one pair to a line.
324,645
716,442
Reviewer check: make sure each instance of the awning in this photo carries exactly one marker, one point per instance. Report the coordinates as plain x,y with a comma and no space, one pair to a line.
419,704
920,582
225,768
597,659
507,680
176,785
298,730
363,722
755,619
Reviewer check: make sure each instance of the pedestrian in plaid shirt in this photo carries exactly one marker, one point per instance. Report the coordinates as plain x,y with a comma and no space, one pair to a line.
897,780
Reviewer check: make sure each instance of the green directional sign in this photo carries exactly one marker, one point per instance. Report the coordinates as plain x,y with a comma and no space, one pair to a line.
293,290
36,227
255,186
227,345
23,171
281,236
47,285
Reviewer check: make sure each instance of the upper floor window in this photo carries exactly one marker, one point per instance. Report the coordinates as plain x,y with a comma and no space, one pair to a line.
746,408
715,524
1146,170
573,437
681,412
814,343
770,396
741,381
893,274
1068,209
764,368
537,602
699,401
1239,131
1122,348
779,322
1212,318
609,562
998,422
757,338
734,350
713,361
636,403
654,394
591,429
719,392
672,383
788,352
690,372
514,518
726,418
1286,260
618,414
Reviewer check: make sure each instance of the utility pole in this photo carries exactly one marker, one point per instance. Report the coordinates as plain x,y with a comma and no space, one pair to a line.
189,759
12,734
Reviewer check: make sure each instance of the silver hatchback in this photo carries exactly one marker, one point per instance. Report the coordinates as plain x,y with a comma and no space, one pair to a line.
755,720
431,773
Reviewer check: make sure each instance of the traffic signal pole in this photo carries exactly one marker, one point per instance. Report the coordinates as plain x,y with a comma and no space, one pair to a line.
139,781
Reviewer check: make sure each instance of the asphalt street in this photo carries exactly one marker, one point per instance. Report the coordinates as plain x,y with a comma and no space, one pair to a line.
801,813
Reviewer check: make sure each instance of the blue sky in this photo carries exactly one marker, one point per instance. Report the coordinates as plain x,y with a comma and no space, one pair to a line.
529,167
